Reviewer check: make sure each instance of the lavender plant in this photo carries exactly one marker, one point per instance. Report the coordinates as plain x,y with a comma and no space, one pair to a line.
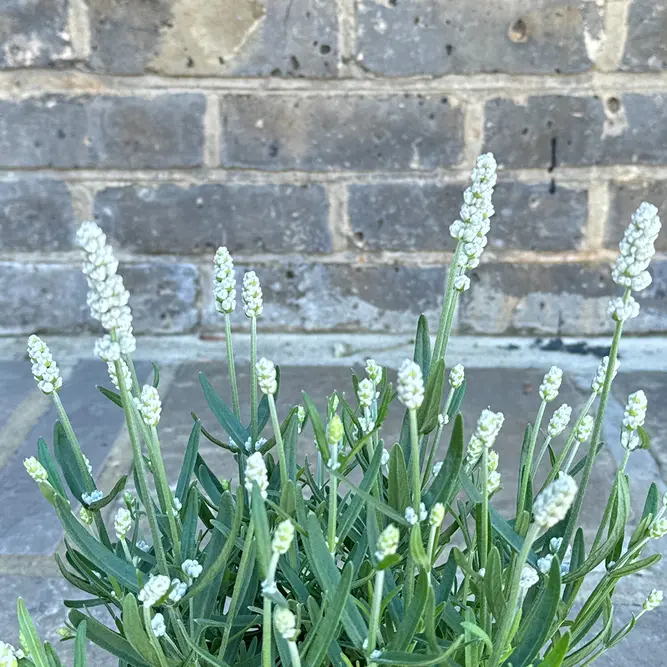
377,554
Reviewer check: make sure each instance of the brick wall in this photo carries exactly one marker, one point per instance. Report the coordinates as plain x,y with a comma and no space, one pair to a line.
327,143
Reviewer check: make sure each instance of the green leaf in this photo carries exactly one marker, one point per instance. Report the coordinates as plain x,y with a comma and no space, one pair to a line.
413,615
427,415
327,629
156,376
399,490
644,438
652,501
226,418
444,589
408,659
422,355
111,496
445,486
580,464
111,395
29,635
262,533
318,426
493,585
457,399
51,655
328,576
104,560
477,632
189,534
45,458
189,460
578,557
542,616
554,658
637,566
208,481
107,639
417,548
66,459
134,630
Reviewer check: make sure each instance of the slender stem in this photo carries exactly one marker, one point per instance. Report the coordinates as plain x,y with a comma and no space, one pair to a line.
431,543
320,470
279,441
431,456
142,476
267,659
483,542
253,382
375,611
443,335
230,366
449,323
528,463
162,485
507,621
543,451
126,549
294,654
597,429
133,373
414,462
191,607
153,639
626,458
570,458
333,501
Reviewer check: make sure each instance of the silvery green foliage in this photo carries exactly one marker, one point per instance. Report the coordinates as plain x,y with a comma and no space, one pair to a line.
348,557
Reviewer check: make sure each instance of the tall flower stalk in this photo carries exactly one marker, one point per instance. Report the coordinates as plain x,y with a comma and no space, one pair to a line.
253,304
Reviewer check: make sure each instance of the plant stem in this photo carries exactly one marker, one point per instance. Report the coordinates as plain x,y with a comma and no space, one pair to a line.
528,463
414,462
133,373
142,477
253,382
279,441
267,660
483,543
230,366
431,456
333,501
543,450
440,346
294,654
375,611
507,621
153,639
590,460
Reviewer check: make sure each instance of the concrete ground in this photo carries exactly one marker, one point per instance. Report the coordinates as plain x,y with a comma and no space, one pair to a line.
502,373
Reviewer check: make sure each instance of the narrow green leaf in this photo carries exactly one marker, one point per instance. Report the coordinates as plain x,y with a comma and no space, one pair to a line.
444,589
111,496
652,501
65,456
445,486
422,355
226,418
493,585
408,659
476,631
457,399
399,490
111,395
417,548
578,557
318,426
637,566
45,458
51,656
413,615
104,560
554,658
262,533
135,633
189,460
427,416
29,635
156,374
189,534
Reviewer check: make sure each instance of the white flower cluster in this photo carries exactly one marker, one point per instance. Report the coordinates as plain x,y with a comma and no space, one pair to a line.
601,373
475,213
266,376
551,384
86,516
529,578
158,626
224,281
255,471
559,420
107,297
44,368
154,590
462,283
113,376
387,543
7,655
637,249
411,514
251,294
178,590
283,536
552,504
285,623
633,417
374,371
486,432
585,429
622,311
437,515
653,600
92,497
457,376
149,405
122,523
107,349
191,568
335,430
36,470
544,563
410,385
658,528
366,392
493,476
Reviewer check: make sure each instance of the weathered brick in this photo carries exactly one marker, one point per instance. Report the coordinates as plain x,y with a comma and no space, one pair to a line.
52,298
416,216
245,218
35,214
645,47
339,297
34,34
123,132
560,299
414,37
625,198
558,130
225,38
356,132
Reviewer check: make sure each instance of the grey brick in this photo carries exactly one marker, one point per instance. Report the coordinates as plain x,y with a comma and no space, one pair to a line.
35,214
17,385
163,296
645,47
416,216
339,297
625,198
413,37
246,218
322,132
52,298
34,34
557,130
559,299
229,38
123,132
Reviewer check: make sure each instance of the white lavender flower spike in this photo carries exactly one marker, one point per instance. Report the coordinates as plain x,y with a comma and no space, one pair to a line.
366,392
44,368
285,623
559,420
374,371
122,523
107,349
266,376
224,281
635,411
437,515
410,385
149,405
551,384
457,376
191,568
178,590
552,504
113,376
283,537
158,626
154,590
387,543
653,600
36,470
255,471
7,655
620,311
251,294
585,429
600,374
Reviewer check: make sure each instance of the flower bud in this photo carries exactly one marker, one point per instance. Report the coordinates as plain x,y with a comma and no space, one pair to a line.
410,385
7,655
251,294
224,281
335,431
374,371
653,600
44,369
559,420
657,529
456,376
149,405
178,590
620,311
551,384
437,515
387,543
552,504
191,568
585,429
285,623
113,376
283,536
36,470
601,374
635,411
255,471
158,626
366,393
122,523
266,376
85,516
154,590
